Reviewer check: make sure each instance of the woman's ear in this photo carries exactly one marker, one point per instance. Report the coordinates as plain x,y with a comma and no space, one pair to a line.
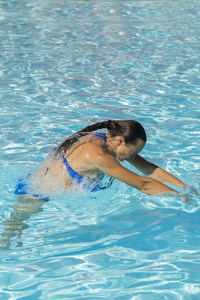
121,140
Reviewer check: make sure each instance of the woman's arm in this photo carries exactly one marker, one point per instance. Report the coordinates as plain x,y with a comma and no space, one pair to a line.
150,186
188,195
154,171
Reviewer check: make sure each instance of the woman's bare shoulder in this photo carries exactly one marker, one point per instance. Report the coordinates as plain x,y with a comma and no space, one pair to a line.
94,148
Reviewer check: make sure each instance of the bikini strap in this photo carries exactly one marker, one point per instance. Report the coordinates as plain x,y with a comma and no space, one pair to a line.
103,136
74,175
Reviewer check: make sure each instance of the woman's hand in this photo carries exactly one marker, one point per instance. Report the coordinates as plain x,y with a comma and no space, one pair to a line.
190,196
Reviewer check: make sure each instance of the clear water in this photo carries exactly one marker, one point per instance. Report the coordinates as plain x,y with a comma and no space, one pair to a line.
67,64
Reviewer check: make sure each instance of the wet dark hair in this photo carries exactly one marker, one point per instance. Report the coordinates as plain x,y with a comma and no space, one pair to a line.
130,130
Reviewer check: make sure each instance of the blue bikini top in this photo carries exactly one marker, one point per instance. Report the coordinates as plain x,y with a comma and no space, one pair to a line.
88,182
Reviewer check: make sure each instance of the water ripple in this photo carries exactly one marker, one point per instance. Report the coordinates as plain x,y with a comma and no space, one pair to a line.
65,65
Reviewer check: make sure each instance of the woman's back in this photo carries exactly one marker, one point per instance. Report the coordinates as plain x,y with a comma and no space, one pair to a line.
60,167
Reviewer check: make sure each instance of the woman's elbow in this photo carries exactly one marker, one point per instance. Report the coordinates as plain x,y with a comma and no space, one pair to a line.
153,187
146,185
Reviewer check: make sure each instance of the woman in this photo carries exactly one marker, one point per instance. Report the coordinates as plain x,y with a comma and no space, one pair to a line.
82,160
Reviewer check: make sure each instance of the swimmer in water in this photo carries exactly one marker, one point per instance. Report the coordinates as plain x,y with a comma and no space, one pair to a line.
83,159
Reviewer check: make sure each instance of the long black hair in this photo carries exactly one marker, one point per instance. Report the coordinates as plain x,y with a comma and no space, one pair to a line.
130,130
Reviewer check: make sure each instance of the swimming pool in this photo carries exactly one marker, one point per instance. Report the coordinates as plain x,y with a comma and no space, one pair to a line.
67,64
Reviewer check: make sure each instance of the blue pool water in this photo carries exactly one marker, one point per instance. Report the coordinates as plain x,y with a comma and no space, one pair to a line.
67,64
